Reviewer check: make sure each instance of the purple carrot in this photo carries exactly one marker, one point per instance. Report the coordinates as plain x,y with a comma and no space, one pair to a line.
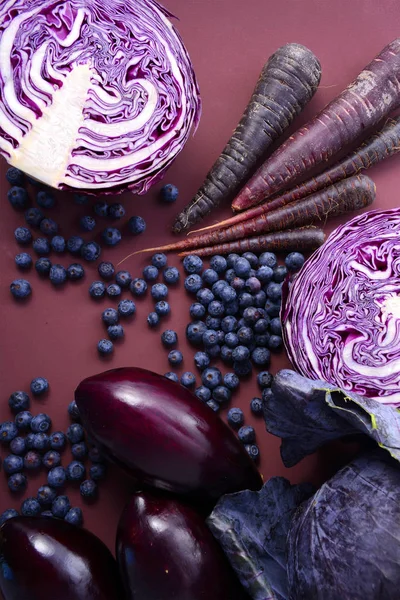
371,97
350,194
381,145
286,84
308,238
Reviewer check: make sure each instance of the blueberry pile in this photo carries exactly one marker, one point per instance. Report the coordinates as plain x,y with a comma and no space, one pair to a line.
50,241
33,447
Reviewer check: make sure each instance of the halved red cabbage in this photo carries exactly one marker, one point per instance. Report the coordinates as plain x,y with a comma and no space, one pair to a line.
95,95
341,317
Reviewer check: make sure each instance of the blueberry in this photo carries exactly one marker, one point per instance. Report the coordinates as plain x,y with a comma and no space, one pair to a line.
240,353
60,506
88,489
162,308
171,275
75,433
110,316
201,360
58,243
212,322
57,440
232,308
235,417
18,401
73,411
159,291
40,422
13,464
48,227
58,274
264,274
253,285
192,264
216,308
153,319
75,244
95,455
175,357
218,263
275,342
52,459
106,270
81,199
231,340
172,376
251,315
294,261
264,379
30,507
193,283
242,267
261,326
43,266
33,216
32,460
8,431
226,354
116,211
221,394
210,276
213,405
56,477
29,441
17,197
245,336
169,193
194,332
75,471
126,308
74,516
18,445
40,442
228,294
229,324
214,351
252,258
97,290
210,338
45,199
23,236
46,495
188,379
136,225
23,260
87,223
230,275
211,377
231,260
218,287
268,259
97,472
272,308
256,406
205,296
101,208
238,284
203,393
113,290
245,300
9,513
105,347
159,260
169,338
253,451
150,273
14,176
231,381
197,310
115,332
242,368
246,434
123,279
267,395
75,272
280,273
111,236
17,482
90,251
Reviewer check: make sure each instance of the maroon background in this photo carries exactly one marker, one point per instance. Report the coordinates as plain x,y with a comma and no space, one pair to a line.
56,332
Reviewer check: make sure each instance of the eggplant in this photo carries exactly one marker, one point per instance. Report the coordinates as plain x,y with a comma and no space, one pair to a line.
49,559
164,435
165,551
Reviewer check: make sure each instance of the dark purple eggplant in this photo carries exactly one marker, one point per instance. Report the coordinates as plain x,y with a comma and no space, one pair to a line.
165,436
165,551
50,559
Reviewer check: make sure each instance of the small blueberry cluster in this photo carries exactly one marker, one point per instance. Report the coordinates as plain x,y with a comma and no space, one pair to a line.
32,446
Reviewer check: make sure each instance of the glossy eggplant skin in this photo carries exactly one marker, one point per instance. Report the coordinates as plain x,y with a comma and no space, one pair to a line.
165,551
50,559
165,436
